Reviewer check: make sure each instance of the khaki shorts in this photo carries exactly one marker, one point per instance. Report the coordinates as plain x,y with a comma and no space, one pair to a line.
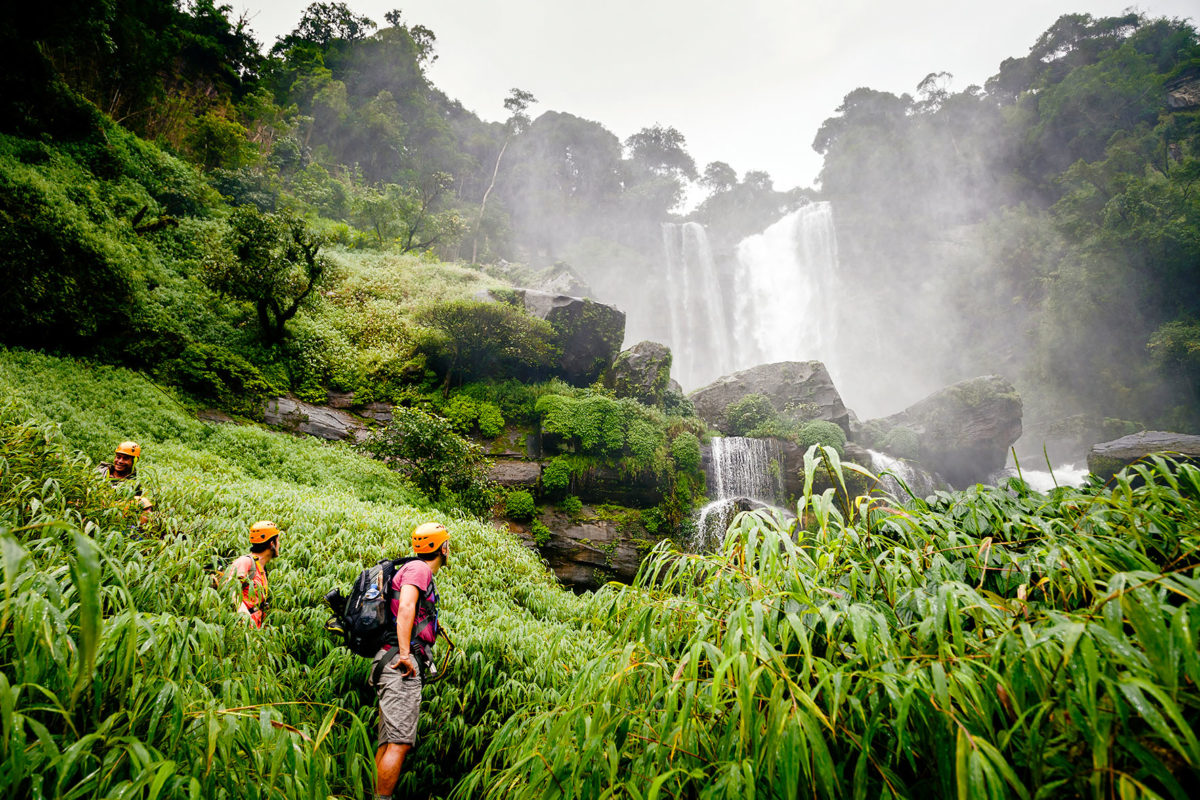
399,701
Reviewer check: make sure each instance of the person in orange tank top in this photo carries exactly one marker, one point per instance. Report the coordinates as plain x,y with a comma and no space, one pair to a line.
251,570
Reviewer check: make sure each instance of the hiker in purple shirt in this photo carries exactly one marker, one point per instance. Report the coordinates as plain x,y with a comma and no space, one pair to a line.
408,655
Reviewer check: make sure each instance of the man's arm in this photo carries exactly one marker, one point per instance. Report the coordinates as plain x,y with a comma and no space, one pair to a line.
405,616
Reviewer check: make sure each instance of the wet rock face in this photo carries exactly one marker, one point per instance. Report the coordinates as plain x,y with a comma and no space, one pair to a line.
642,372
587,553
324,423
802,390
1108,458
589,333
963,432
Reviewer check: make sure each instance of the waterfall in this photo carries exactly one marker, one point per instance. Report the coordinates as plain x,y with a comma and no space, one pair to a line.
741,469
700,343
775,300
787,291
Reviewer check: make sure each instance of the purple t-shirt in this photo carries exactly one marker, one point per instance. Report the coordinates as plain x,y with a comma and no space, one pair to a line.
416,573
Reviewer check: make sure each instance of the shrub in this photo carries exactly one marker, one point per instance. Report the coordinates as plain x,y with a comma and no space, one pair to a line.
556,476
595,425
220,376
519,505
902,442
822,432
748,413
541,534
571,506
685,452
491,420
442,464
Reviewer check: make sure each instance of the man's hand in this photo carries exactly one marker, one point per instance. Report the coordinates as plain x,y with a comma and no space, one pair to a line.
405,664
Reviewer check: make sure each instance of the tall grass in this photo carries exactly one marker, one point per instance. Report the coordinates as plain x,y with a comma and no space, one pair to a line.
992,643
124,673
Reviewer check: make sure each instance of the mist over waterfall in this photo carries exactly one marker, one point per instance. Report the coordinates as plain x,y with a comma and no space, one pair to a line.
699,328
775,298
787,281
740,470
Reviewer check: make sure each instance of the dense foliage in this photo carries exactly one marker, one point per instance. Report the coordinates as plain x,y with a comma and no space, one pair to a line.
123,671
1043,226
990,643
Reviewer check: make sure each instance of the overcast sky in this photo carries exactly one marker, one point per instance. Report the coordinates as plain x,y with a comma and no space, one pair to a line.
746,82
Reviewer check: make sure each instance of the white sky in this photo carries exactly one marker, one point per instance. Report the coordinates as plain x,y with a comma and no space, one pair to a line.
746,82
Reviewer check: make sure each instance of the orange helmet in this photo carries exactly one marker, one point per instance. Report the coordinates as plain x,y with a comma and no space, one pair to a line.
428,537
131,449
263,532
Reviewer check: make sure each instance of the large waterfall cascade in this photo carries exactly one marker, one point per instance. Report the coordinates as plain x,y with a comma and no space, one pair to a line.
740,468
777,301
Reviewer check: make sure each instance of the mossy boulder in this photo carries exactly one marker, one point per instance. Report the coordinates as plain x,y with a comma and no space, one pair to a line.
643,372
963,431
588,333
797,390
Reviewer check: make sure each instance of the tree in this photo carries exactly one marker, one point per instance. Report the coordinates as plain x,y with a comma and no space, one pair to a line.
516,103
406,216
479,340
443,465
719,177
272,261
663,150
323,23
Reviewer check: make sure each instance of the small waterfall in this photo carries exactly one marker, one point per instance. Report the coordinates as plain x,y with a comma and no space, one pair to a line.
1044,481
741,469
889,469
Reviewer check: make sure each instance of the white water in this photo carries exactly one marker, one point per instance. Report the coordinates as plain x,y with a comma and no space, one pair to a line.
778,301
740,468
787,291
1044,481
701,347
892,471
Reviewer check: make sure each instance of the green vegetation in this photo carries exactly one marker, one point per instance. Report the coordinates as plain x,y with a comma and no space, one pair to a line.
997,643
442,464
124,670
748,413
821,432
519,505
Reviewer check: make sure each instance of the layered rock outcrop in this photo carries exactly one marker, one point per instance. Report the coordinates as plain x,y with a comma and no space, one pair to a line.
1108,458
325,423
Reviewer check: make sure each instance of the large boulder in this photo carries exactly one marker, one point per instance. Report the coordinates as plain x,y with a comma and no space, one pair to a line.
589,333
319,421
1108,458
962,432
513,473
642,372
801,390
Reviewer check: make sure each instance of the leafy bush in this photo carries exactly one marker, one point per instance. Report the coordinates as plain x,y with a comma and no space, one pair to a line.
442,464
541,534
218,375
519,505
468,416
556,476
748,413
595,425
902,442
822,432
685,452
480,340
571,506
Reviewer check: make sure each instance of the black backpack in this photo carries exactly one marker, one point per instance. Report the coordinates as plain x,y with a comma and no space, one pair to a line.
364,621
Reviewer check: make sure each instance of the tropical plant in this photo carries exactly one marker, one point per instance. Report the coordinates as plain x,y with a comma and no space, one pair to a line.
994,643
